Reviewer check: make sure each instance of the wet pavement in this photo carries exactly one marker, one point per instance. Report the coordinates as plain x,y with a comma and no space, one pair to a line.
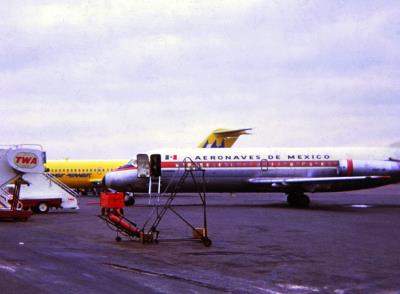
344,243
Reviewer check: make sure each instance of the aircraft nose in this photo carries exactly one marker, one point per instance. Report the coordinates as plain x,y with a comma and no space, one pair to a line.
108,180
120,180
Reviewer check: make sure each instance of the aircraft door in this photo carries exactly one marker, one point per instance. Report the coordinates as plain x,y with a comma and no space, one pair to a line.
155,165
264,165
143,165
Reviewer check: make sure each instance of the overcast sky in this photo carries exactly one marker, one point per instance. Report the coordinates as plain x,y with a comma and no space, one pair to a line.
108,79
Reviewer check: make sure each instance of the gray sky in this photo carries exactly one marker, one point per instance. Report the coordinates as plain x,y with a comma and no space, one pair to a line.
108,79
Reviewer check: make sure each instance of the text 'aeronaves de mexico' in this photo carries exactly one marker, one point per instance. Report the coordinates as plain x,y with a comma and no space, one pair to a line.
256,157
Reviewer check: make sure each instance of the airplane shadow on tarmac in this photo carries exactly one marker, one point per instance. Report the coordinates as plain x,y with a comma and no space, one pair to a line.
314,206
352,207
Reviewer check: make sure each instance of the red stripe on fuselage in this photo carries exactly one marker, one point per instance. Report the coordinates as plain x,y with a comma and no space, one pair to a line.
246,164
349,167
228,164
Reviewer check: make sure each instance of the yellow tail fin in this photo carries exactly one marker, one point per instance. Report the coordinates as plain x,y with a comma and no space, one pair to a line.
223,138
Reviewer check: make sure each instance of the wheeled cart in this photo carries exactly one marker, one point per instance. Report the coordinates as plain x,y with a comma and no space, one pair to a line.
112,205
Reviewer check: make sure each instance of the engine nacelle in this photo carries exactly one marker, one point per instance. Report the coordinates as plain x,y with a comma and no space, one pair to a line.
351,167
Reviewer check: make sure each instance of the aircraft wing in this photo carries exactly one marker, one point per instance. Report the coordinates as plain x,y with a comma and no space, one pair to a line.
310,184
327,180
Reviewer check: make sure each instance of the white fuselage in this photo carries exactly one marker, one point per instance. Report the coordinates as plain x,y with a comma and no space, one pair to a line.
232,170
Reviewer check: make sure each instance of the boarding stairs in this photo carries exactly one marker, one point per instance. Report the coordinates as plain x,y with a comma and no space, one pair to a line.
22,169
15,161
67,189
4,197
191,171
154,184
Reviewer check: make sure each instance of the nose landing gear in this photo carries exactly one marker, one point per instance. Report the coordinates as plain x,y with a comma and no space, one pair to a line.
298,200
129,199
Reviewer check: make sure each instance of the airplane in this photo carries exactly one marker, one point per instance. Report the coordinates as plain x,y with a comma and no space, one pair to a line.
82,175
87,175
293,171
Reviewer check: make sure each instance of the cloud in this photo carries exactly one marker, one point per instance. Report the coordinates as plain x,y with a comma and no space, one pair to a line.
108,79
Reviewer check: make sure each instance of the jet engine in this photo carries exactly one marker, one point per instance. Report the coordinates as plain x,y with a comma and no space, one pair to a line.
351,167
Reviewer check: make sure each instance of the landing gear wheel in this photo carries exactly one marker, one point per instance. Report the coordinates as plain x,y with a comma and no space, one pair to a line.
118,239
129,200
207,242
305,201
291,199
42,207
298,200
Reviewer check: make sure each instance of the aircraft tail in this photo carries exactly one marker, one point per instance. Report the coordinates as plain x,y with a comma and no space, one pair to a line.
223,138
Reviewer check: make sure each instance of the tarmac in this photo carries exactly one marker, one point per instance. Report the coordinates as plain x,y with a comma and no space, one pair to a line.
344,243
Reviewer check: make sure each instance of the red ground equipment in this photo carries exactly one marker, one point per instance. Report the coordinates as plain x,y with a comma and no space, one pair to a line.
112,204
112,200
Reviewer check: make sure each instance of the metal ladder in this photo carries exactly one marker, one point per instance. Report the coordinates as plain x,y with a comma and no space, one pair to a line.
151,184
190,168
4,197
158,187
